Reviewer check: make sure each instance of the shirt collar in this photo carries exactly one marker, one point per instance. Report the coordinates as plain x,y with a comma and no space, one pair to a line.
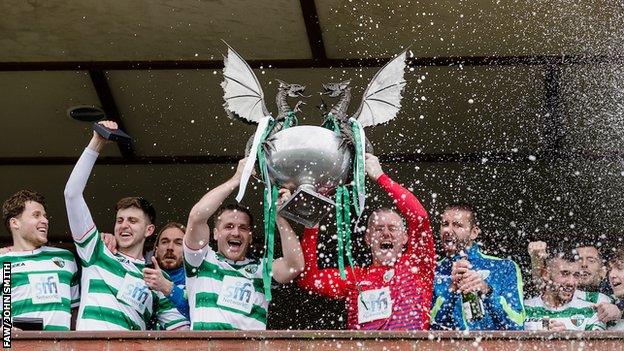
472,253
175,270
131,259
231,262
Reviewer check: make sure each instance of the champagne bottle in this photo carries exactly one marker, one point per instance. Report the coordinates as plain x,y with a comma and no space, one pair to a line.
472,304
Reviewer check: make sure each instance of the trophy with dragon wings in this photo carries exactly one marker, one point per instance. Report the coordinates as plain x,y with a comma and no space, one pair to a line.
322,165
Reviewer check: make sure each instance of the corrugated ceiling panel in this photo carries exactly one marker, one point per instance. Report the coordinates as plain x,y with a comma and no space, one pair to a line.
480,28
34,111
88,30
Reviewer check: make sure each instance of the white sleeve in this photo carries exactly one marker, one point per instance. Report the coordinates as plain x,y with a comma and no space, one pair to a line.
195,257
604,298
80,220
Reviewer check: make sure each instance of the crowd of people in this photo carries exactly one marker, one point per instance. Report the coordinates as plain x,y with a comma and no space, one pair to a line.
186,284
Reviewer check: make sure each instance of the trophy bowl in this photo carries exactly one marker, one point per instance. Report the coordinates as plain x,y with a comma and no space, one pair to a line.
309,161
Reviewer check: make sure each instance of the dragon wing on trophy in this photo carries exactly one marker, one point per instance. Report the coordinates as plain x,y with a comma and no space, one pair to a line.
314,162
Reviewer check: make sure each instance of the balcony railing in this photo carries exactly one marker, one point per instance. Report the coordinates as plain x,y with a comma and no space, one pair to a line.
315,340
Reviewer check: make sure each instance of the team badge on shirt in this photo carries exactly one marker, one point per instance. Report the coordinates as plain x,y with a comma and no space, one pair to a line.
58,261
577,320
251,269
388,275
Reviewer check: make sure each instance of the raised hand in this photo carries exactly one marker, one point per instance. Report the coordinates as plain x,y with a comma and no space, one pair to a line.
97,141
283,196
372,166
537,250
155,279
239,169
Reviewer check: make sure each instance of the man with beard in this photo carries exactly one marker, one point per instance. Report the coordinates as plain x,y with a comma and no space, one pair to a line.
394,293
44,280
593,271
168,258
114,294
560,305
468,280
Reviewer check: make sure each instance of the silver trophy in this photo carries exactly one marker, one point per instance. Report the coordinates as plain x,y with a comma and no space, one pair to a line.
311,161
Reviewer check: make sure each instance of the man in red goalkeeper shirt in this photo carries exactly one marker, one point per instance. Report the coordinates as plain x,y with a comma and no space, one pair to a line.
394,293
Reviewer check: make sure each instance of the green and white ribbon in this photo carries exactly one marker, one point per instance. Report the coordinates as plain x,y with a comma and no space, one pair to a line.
331,123
343,226
340,231
343,198
270,212
269,205
359,190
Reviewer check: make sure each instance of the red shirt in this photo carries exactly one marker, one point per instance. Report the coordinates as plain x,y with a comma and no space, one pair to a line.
410,284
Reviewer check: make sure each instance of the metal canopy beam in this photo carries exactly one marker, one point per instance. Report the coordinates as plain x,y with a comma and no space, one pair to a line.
309,63
314,30
100,83
554,121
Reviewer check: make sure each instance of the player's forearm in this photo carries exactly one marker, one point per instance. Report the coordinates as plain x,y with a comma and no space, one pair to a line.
406,202
198,233
78,214
325,282
291,249
210,202
537,266
80,174
96,144
309,280
308,247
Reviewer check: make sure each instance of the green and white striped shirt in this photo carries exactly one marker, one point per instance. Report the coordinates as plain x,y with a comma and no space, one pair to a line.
578,314
44,284
114,295
593,297
224,294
